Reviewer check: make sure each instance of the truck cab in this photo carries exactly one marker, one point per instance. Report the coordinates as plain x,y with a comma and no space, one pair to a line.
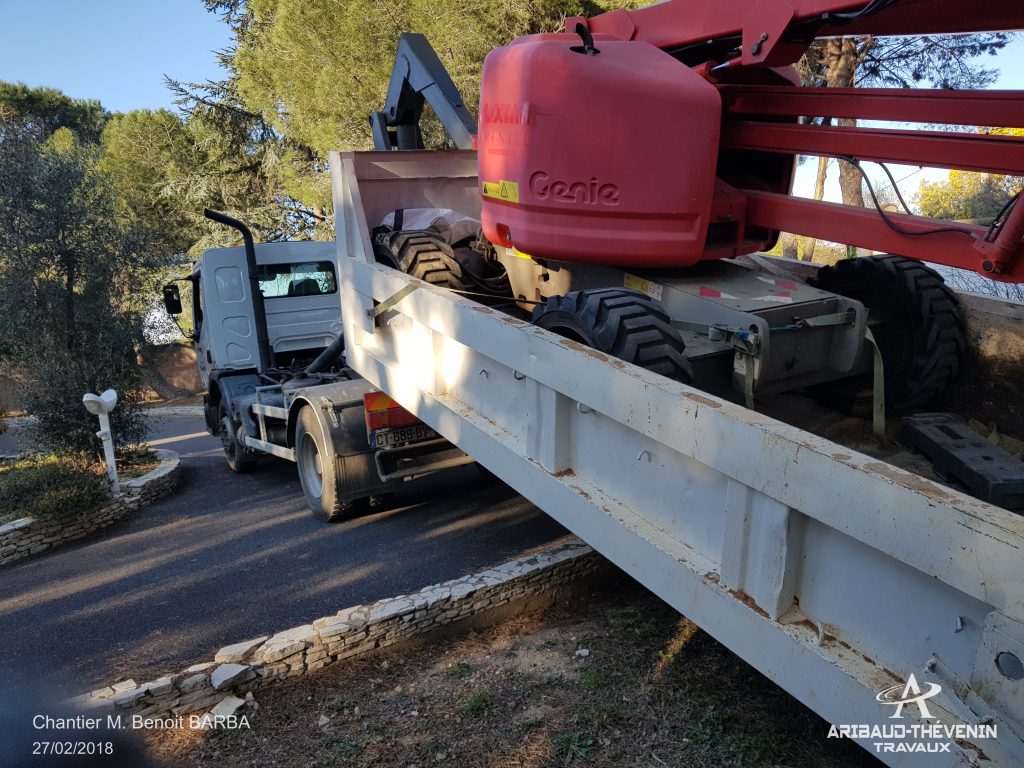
300,292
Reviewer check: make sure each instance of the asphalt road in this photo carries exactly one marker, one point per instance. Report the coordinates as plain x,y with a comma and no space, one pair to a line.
231,557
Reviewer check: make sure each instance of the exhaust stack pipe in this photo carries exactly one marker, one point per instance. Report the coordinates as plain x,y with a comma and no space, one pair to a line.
259,310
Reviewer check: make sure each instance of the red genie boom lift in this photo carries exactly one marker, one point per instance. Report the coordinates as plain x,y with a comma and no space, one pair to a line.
626,163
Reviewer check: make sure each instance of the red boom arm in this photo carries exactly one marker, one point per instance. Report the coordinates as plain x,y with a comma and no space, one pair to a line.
773,33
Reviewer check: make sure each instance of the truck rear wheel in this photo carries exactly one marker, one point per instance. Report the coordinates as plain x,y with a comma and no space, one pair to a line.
622,323
318,469
915,318
239,459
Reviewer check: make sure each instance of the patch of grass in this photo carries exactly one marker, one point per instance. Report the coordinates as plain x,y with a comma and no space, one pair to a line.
602,716
476,704
723,737
572,746
338,703
460,669
595,677
342,748
48,486
135,462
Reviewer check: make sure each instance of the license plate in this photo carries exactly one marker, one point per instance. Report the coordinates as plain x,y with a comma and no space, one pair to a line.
385,438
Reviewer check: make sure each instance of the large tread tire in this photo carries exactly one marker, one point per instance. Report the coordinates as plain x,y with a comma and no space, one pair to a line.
622,323
423,255
239,459
318,469
916,319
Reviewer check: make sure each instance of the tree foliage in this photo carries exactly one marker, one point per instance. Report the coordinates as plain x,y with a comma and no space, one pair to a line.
144,154
309,72
248,169
73,263
42,111
966,195
932,61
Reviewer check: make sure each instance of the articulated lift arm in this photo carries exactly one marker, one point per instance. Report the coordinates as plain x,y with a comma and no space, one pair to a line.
420,78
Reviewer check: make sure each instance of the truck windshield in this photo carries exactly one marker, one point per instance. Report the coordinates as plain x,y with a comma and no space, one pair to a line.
305,279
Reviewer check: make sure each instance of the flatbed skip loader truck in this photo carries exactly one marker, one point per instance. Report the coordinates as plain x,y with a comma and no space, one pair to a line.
575,298
266,326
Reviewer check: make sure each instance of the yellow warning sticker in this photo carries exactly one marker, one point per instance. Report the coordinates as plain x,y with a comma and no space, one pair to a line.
652,289
502,190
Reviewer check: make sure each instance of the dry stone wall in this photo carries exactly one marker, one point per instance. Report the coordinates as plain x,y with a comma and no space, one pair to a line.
361,630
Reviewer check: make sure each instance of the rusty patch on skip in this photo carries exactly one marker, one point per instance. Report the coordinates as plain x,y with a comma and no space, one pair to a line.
748,601
841,456
808,625
881,679
702,400
483,310
713,577
564,473
590,351
964,744
908,480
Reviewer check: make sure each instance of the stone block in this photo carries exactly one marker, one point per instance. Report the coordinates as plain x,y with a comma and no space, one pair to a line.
160,686
227,675
228,706
127,699
192,682
239,652
270,651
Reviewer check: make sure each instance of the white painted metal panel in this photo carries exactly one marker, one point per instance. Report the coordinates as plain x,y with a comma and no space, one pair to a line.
833,573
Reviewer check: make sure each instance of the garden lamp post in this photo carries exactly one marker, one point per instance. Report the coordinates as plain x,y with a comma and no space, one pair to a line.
101,406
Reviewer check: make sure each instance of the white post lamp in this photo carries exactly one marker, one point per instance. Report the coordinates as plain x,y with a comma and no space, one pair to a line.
101,406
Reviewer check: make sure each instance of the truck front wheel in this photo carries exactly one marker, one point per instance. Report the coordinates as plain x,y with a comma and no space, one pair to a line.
318,469
239,459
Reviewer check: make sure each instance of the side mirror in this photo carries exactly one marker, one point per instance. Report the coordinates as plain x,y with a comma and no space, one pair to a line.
172,300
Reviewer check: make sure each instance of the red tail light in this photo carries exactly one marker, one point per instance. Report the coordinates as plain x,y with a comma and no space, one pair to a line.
384,413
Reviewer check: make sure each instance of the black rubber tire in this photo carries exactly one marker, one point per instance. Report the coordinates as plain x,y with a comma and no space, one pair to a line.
239,459
423,255
622,323
318,470
915,318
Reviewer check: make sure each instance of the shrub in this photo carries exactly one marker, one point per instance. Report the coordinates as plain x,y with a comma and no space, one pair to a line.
48,486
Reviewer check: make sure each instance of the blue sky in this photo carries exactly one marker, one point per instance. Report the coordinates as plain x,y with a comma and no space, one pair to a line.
117,51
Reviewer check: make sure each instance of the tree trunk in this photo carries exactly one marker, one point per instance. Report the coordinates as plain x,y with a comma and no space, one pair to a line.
70,322
841,63
819,194
789,246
